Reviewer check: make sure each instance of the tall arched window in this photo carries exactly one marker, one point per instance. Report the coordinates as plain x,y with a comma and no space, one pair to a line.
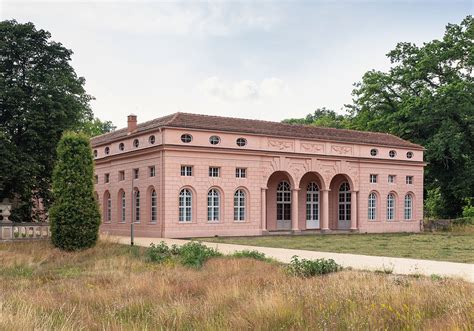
390,206
154,207
213,205
137,206
345,202
185,205
123,207
408,206
312,202
283,201
372,211
239,205
107,207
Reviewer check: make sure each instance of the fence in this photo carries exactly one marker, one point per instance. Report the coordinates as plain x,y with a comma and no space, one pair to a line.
24,231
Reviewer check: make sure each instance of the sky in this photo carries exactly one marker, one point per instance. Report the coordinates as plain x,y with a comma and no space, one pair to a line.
266,60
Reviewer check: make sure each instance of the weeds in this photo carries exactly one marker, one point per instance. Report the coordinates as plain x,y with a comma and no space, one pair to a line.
307,268
192,254
250,255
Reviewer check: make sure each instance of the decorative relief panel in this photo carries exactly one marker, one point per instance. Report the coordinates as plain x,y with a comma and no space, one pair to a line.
281,145
342,149
312,147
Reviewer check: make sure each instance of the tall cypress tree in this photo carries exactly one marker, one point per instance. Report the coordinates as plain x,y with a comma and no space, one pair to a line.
75,216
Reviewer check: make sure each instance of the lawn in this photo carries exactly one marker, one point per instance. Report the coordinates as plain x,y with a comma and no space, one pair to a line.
442,246
115,287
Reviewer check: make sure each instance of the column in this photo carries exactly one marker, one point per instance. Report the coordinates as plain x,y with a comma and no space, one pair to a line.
325,211
353,210
263,206
294,210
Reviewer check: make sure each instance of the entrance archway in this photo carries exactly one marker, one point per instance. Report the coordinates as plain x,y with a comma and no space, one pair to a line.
279,201
340,204
310,201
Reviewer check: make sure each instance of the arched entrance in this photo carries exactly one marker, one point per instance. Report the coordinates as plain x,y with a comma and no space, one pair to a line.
310,201
279,201
340,203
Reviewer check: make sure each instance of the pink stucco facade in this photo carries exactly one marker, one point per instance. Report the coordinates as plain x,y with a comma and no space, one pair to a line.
334,170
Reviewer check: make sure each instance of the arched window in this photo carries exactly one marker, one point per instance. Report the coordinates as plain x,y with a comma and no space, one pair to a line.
372,212
123,207
312,202
283,201
185,205
154,207
344,202
137,206
390,207
408,206
107,207
213,205
239,205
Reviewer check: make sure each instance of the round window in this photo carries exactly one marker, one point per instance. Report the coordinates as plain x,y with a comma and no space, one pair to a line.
95,152
107,150
374,152
186,138
392,153
151,139
214,140
241,142
136,143
121,146
409,155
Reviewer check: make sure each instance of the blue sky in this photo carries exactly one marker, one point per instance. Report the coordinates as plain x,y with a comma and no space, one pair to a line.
266,60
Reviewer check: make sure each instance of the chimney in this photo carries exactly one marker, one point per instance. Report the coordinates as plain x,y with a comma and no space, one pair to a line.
131,123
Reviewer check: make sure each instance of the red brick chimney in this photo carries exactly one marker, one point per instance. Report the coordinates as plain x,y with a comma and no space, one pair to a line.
131,123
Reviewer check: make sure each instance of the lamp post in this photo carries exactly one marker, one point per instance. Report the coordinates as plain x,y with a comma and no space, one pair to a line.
133,222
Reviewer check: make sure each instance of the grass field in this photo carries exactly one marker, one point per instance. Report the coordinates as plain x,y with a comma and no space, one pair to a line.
442,246
114,287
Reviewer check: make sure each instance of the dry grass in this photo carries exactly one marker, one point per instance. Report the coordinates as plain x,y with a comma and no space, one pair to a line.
112,287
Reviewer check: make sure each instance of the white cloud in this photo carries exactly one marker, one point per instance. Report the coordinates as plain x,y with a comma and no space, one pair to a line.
243,89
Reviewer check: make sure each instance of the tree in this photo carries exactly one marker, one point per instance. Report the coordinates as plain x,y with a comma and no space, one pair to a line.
40,97
96,127
427,97
322,117
74,215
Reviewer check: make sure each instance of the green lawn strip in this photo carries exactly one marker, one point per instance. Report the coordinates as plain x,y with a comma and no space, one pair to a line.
452,247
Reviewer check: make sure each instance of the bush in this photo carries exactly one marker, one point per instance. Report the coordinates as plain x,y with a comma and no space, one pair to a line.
158,253
250,254
75,216
468,210
307,268
194,254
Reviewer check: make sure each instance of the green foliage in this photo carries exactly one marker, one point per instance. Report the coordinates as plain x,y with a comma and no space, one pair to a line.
74,216
192,254
322,117
468,209
95,127
307,268
433,203
250,255
41,96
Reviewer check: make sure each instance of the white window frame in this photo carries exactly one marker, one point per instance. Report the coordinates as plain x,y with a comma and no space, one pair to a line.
284,200
372,207
373,178
154,206
185,205
390,207
136,196
239,205
391,179
108,208
409,180
152,171
123,207
213,205
136,173
240,172
312,202
186,170
122,175
214,171
344,202
408,207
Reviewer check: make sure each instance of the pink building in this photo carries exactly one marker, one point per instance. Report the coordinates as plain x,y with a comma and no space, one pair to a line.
187,175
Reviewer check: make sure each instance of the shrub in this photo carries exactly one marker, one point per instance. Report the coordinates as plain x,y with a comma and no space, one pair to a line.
75,216
250,254
307,268
468,210
194,254
158,253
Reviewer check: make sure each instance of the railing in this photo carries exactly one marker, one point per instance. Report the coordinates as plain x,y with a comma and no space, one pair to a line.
24,231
